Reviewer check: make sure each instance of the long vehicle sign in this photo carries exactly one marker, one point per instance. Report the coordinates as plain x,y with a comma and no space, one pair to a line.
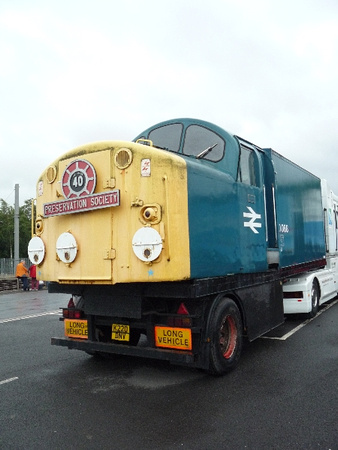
177,338
81,204
76,328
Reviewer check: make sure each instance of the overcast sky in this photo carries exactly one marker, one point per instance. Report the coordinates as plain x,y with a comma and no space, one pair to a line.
76,71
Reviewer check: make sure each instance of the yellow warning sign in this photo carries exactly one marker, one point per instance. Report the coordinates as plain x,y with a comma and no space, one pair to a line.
76,328
179,338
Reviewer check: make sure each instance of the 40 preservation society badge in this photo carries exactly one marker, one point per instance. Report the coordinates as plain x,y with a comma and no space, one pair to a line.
78,184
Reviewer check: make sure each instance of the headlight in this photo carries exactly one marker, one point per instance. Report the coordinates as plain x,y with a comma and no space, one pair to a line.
123,158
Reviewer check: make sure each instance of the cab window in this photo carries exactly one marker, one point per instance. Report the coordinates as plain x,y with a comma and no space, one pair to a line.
197,139
248,167
167,137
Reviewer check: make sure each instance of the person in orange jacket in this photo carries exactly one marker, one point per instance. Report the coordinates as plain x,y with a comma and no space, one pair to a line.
22,273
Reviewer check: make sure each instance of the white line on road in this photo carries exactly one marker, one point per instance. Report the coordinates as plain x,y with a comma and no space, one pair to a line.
9,380
13,319
294,330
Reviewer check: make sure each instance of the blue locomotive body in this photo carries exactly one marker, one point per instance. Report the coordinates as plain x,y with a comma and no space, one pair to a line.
250,209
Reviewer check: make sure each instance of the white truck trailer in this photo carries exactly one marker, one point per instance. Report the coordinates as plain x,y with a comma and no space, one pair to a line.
304,293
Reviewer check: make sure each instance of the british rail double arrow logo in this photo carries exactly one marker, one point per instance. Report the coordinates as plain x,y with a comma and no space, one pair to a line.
253,216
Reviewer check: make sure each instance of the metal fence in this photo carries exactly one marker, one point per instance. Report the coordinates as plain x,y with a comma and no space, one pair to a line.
8,266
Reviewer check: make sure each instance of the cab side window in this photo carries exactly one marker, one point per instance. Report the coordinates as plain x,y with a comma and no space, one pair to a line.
248,167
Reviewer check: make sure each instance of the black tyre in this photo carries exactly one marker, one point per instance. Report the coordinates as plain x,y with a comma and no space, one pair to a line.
314,299
226,333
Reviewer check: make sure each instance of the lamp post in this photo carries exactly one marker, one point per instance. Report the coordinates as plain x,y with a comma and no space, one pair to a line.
16,226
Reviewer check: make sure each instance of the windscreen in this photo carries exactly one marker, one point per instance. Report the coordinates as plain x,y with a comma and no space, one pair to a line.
167,137
198,138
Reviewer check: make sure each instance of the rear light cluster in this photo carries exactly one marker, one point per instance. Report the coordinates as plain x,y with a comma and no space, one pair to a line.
71,312
181,318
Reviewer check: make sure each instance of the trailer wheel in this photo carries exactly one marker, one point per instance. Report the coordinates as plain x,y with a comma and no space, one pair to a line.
314,299
226,337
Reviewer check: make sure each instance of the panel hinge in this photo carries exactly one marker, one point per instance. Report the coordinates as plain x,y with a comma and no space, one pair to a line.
109,254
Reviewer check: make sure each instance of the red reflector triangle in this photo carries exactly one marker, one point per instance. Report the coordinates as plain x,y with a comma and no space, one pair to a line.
182,309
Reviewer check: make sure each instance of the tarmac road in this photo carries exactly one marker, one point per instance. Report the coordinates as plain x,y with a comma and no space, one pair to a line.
283,395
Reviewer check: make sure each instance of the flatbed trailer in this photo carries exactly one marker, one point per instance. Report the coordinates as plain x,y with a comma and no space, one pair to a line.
145,308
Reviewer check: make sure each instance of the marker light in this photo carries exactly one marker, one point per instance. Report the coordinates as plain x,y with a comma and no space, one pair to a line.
66,247
36,250
147,244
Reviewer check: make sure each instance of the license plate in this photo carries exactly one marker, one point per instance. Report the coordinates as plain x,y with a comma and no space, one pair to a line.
76,328
178,338
120,332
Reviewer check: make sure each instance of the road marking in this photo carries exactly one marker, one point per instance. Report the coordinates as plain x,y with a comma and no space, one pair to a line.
9,380
294,330
14,319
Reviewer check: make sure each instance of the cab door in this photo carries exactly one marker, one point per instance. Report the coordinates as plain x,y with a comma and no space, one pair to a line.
252,211
270,208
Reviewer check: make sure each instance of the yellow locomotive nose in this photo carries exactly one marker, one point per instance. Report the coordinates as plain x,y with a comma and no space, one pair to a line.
105,214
